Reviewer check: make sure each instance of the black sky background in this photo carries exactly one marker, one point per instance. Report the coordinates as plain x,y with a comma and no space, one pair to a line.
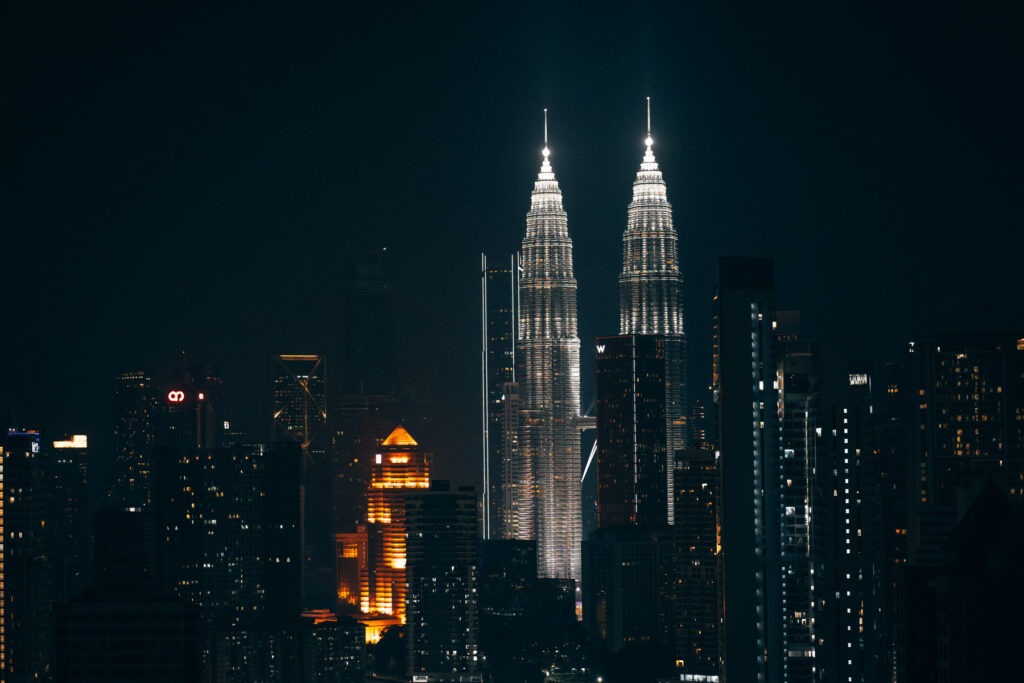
200,178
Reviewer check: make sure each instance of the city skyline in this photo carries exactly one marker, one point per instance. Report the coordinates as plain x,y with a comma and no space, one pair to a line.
151,197
250,252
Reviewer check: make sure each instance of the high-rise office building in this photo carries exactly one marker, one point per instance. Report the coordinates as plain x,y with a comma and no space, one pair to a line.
68,518
333,647
797,380
629,586
300,416
135,418
548,348
846,539
229,530
970,417
441,575
230,525
123,629
300,401
744,378
352,573
400,466
641,374
25,619
638,428
961,609
697,481
499,296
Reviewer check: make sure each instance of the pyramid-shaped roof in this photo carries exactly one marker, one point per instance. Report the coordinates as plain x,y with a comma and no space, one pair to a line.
399,437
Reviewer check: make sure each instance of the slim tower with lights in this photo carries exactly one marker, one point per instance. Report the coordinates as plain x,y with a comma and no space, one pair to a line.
549,357
641,373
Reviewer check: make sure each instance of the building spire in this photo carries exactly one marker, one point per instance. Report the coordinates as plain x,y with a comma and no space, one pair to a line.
649,141
545,166
648,117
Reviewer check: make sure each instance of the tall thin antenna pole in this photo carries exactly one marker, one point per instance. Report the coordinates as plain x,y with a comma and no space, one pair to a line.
648,115
545,127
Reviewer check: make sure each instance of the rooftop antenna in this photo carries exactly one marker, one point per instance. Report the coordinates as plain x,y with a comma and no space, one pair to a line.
648,117
545,127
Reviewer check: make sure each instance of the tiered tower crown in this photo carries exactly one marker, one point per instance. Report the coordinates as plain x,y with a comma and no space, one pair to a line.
650,285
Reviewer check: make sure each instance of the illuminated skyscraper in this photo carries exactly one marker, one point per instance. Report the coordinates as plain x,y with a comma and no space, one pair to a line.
499,296
400,466
650,286
641,374
549,357
25,621
135,418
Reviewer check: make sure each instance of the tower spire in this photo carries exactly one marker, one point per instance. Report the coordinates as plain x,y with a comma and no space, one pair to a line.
649,141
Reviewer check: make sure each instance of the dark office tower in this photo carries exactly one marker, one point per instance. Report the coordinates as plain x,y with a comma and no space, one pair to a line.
697,479
135,419
230,534
797,409
300,402
508,572
356,423
442,582
548,356
499,296
744,370
962,608
636,428
629,585
334,648
190,413
300,416
122,629
68,519
25,621
700,434
970,417
891,444
370,359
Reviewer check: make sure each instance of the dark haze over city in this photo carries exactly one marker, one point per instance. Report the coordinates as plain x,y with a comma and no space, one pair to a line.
202,179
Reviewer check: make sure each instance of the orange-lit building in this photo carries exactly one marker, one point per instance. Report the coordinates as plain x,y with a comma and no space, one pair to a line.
353,578
401,465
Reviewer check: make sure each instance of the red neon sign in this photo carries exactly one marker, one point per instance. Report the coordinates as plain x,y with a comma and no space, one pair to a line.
176,396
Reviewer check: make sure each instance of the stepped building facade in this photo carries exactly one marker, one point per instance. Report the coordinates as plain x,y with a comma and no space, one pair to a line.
547,504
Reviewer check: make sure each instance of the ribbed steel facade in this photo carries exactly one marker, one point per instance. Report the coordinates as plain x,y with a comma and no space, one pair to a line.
548,467
650,286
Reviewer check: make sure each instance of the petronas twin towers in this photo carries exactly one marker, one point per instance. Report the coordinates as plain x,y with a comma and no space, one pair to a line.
546,500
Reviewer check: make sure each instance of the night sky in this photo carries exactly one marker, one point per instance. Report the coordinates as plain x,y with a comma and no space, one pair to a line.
201,178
